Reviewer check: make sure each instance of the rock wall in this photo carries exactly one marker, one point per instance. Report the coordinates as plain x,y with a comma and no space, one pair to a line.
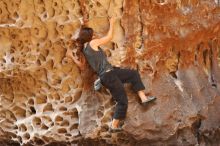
46,100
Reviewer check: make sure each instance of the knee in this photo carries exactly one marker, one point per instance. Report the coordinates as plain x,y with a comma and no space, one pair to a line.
136,74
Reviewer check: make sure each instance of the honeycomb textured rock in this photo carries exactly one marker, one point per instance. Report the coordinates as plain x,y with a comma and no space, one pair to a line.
45,99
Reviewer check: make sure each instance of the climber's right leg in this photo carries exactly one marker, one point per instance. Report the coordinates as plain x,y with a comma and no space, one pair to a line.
115,86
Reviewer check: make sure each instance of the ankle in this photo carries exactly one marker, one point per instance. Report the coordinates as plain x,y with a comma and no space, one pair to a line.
115,123
144,98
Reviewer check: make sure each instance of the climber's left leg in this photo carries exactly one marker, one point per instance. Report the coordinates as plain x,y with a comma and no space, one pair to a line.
133,77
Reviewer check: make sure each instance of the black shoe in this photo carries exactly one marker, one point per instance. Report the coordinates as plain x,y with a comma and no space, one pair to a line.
149,99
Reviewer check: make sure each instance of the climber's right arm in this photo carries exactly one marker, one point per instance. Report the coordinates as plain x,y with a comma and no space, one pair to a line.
97,42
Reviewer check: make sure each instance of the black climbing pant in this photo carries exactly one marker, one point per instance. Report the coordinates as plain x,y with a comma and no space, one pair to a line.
113,80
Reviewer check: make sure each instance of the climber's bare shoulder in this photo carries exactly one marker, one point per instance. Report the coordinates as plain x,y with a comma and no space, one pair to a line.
93,45
97,42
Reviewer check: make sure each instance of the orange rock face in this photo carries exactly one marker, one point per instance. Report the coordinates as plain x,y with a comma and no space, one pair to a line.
46,99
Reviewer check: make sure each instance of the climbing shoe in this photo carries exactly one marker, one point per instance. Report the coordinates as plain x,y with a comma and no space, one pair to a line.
114,130
149,99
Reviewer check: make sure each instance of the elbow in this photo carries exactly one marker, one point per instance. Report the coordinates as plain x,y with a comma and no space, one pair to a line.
110,35
109,38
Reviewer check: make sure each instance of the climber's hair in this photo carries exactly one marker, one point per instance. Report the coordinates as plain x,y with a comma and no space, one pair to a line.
85,35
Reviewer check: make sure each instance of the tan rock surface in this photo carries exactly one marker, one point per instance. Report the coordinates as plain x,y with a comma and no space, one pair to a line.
46,99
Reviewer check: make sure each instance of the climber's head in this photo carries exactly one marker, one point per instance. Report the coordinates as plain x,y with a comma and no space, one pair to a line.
85,35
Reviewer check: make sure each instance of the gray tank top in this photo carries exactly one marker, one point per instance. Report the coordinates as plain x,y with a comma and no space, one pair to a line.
97,60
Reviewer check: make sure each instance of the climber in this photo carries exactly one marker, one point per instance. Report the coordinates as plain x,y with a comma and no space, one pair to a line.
111,77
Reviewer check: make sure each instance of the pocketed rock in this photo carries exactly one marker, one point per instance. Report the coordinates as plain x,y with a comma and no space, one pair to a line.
45,99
